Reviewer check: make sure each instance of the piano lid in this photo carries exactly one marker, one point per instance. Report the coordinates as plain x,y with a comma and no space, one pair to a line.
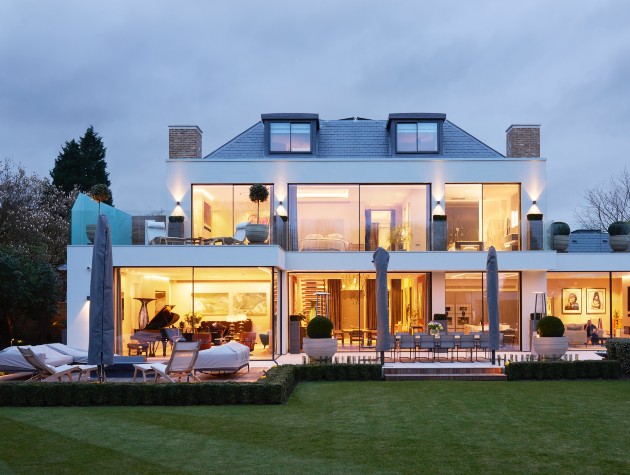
164,318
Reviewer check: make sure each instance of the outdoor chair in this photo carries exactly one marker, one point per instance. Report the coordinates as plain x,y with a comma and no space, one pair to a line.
45,372
153,230
466,342
427,343
407,342
446,344
393,346
356,336
483,344
238,238
181,364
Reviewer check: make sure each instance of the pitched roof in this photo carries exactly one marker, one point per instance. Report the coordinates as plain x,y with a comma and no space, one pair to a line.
355,139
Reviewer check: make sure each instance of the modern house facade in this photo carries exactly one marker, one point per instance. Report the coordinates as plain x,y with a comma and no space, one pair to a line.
415,184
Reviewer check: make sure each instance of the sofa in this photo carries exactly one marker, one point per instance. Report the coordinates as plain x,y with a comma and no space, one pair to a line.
575,333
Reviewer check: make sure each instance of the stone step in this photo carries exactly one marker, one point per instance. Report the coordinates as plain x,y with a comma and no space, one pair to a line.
447,377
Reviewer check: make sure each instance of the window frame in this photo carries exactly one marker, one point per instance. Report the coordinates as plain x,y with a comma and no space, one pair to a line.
311,125
416,122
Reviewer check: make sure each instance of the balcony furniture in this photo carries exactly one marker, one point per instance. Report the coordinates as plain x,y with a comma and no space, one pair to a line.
340,336
153,230
228,358
46,372
356,336
238,238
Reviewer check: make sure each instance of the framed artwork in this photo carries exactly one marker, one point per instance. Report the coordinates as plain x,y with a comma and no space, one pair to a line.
250,303
596,301
212,304
571,301
549,305
160,300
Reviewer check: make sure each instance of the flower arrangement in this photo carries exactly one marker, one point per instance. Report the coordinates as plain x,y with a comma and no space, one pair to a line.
435,327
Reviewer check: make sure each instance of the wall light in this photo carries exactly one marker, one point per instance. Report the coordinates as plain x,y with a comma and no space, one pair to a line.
534,202
87,298
438,202
178,203
282,211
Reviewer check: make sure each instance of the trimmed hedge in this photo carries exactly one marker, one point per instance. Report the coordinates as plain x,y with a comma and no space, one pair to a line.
585,369
274,388
619,349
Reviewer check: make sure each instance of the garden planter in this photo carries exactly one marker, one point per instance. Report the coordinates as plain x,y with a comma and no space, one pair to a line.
534,235
257,233
176,229
560,243
619,243
320,348
439,235
550,347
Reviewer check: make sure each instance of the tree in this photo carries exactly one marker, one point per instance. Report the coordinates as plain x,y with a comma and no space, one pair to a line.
81,165
29,289
34,213
606,203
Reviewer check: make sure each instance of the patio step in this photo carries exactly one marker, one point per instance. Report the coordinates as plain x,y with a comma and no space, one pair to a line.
455,373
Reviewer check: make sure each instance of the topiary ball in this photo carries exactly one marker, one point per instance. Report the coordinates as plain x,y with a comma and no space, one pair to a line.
560,229
619,228
258,193
550,326
319,327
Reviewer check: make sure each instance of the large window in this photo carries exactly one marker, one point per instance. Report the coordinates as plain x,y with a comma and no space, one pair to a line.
238,299
417,137
352,303
483,215
218,209
289,137
467,308
358,217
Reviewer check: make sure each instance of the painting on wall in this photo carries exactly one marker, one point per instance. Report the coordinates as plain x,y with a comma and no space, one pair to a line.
212,304
160,300
595,301
207,216
250,303
571,301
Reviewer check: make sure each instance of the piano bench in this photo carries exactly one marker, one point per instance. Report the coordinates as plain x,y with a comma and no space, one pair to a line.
139,348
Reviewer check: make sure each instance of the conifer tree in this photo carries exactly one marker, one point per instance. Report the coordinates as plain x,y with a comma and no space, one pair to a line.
82,165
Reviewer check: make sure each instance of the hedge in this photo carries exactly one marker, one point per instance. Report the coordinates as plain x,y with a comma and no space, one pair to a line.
619,349
583,369
275,388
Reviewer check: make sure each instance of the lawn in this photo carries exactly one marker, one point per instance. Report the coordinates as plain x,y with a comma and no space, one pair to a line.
343,427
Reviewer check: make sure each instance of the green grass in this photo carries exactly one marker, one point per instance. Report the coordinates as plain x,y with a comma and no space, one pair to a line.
342,427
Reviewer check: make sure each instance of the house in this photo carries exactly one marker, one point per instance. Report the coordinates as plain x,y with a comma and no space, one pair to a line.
415,184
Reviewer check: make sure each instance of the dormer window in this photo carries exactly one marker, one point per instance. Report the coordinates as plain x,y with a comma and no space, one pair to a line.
290,133
289,137
416,132
417,137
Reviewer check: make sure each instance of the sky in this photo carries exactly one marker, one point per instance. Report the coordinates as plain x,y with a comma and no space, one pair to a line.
132,68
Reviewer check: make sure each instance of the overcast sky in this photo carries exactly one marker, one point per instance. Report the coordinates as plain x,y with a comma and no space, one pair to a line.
131,68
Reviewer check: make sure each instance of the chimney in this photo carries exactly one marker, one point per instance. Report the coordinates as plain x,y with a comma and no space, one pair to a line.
184,141
523,141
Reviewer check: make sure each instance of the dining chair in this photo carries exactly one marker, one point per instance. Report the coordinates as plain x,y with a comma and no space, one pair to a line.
446,344
466,342
407,342
427,344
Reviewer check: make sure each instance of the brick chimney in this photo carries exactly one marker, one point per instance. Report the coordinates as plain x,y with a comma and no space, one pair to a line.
184,141
523,141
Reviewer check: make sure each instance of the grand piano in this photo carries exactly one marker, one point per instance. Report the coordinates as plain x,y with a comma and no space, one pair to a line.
157,330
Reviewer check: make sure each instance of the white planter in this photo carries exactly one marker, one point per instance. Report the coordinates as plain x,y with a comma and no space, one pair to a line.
560,243
550,347
320,348
619,243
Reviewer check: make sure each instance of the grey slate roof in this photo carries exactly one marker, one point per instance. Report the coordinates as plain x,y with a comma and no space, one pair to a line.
358,139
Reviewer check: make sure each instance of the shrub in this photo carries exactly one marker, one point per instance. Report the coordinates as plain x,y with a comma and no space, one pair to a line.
619,228
618,349
550,326
560,229
319,327
100,192
586,369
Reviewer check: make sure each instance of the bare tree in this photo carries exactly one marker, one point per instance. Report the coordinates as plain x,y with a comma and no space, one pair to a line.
606,203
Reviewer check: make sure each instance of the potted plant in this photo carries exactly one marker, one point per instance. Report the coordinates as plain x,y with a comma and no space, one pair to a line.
619,233
319,344
550,342
176,226
442,320
295,333
257,233
560,236
397,237
99,193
